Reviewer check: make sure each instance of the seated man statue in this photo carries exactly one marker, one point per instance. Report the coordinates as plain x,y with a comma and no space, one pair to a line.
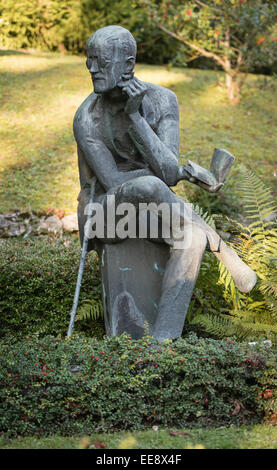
127,138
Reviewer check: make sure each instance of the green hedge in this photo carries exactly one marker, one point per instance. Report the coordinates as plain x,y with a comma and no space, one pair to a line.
37,285
67,25
83,385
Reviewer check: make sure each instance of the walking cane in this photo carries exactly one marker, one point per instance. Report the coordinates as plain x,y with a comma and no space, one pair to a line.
82,264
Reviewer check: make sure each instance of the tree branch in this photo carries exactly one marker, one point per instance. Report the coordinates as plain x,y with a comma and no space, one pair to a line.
194,57
215,9
199,49
207,6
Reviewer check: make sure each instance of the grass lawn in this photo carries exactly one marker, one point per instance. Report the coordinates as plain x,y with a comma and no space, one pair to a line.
254,437
40,92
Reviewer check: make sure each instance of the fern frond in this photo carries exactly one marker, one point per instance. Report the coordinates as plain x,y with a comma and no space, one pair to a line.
269,286
209,219
90,309
221,326
258,201
225,279
253,314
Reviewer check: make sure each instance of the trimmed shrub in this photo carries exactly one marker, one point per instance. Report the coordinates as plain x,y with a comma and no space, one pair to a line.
82,385
66,25
268,392
37,285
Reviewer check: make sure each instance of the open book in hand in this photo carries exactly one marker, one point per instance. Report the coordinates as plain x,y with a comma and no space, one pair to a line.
219,168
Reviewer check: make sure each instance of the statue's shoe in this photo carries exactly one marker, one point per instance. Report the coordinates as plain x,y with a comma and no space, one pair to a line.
247,279
244,277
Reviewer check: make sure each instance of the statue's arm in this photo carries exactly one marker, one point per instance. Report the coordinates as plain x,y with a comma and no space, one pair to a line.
159,149
99,158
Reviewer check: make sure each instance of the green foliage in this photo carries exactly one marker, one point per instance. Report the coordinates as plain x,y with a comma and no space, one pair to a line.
67,24
90,309
268,386
37,284
33,23
208,218
250,315
97,13
217,326
207,295
49,385
235,34
256,243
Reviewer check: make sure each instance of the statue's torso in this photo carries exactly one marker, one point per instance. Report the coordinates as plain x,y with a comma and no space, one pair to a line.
112,128
108,123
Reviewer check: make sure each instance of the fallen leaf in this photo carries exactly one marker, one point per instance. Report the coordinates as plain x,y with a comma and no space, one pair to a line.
267,394
60,213
49,210
178,433
100,445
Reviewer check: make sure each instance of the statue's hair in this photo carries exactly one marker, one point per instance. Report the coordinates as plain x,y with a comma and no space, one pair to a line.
126,40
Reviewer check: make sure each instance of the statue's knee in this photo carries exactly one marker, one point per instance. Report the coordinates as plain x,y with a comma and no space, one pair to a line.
190,239
153,186
144,188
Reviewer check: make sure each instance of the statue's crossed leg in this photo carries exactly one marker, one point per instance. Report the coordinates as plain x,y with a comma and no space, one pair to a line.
188,242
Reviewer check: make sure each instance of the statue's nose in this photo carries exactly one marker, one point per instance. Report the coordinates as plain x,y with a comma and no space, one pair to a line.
94,67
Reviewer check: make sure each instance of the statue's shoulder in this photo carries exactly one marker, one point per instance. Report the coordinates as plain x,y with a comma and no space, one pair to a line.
162,98
159,91
84,111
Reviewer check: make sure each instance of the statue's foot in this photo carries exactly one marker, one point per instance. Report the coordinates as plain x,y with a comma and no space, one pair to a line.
246,279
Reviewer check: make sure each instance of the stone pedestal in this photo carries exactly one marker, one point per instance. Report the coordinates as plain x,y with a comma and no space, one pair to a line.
132,273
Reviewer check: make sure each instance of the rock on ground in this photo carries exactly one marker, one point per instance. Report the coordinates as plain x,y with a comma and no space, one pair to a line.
70,223
52,224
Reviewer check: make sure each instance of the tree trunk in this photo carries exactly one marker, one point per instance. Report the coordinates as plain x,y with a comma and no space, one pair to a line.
62,48
233,89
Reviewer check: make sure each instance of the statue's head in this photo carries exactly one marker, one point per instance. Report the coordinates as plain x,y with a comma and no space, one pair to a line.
111,56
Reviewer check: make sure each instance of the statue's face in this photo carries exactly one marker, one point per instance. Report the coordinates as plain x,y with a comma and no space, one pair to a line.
106,64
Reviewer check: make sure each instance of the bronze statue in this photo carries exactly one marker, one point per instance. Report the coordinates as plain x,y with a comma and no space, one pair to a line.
127,137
